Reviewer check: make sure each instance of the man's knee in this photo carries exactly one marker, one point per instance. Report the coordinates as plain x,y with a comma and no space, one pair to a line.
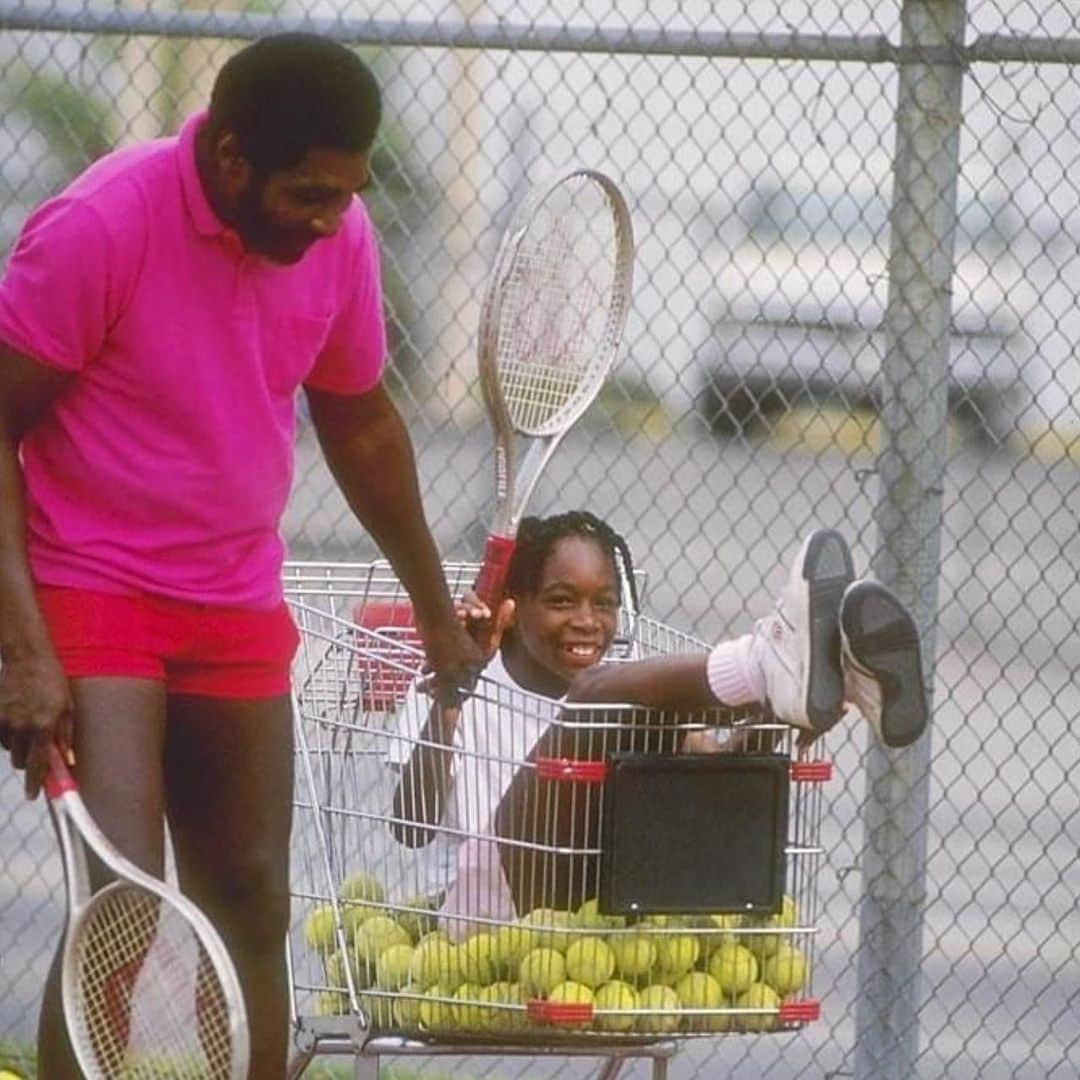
249,898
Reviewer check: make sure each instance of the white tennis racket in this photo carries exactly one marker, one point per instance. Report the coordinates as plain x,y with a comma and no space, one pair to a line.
148,987
550,326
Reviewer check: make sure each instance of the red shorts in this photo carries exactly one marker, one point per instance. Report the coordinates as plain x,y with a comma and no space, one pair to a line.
192,648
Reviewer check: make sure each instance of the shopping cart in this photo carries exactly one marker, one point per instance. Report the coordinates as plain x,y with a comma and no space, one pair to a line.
580,886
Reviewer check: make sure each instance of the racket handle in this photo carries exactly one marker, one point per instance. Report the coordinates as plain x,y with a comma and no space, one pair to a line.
58,780
491,580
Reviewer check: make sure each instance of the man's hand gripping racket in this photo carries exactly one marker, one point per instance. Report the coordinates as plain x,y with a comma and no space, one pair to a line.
148,988
550,327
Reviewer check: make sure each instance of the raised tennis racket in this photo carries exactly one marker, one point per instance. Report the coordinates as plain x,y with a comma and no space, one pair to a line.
148,987
551,322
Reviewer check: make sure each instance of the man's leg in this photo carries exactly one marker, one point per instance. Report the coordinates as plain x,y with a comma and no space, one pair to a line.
229,786
119,742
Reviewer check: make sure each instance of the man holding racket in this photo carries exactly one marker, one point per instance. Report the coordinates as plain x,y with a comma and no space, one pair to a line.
156,320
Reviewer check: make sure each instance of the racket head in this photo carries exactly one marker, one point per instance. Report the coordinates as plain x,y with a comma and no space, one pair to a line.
555,305
148,989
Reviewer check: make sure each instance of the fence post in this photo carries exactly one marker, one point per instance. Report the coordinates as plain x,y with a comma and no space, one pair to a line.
908,522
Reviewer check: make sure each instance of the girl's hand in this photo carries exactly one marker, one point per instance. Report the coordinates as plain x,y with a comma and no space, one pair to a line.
477,619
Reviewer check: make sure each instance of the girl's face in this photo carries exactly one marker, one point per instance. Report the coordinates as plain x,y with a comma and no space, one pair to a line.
568,623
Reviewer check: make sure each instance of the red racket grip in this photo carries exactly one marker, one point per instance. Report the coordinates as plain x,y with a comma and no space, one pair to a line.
58,780
491,580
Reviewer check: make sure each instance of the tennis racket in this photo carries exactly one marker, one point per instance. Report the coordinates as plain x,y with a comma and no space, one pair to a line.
551,322
148,987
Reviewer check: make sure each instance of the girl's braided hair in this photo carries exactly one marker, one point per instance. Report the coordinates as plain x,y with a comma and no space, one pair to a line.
537,536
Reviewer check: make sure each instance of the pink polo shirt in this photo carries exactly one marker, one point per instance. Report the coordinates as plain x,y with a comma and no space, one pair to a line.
166,466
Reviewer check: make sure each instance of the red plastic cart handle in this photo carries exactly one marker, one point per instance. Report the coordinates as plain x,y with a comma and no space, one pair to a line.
811,772
580,772
558,1012
800,1012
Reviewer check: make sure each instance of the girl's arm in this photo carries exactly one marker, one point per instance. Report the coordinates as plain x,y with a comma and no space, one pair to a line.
662,682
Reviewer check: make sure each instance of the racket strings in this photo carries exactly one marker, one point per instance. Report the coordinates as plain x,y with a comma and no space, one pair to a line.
555,311
148,1000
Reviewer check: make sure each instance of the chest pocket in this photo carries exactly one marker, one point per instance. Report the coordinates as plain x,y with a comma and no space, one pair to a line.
291,345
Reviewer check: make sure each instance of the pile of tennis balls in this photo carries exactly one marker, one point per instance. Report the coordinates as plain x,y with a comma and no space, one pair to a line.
657,975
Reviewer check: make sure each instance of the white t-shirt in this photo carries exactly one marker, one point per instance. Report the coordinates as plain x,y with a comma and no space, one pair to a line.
499,725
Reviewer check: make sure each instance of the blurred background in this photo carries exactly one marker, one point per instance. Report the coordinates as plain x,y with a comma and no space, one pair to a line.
855,306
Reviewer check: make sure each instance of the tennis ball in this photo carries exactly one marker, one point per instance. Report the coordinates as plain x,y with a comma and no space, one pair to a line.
392,967
615,995
436,962
712,941
353,916
588,917
319,930
541,969
477,959
785,971
590,961
551,927
666,1004
766,944
506,993
699,990
331,1003
634,954
421,921
362,887
676,953
468,1009
572,993
734,968
511,944
407,1006
758,996
435,1012
334,967
375,935
7,1074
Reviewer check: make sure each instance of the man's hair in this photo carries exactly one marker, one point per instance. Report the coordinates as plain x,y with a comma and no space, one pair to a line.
289,93
536,537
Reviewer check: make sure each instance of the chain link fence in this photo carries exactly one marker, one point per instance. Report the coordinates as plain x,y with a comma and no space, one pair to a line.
855,306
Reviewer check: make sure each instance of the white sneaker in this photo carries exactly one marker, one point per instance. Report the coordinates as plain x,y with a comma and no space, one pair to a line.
882,664
799,644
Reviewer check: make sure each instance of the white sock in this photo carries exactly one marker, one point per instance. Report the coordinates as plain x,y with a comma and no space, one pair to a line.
734,673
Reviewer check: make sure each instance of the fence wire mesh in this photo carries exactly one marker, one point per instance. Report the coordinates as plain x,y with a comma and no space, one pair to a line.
763,154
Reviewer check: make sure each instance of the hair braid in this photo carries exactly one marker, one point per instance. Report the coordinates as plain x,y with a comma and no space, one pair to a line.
537,537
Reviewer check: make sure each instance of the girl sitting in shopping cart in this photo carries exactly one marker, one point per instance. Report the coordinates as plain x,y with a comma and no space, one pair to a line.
462,787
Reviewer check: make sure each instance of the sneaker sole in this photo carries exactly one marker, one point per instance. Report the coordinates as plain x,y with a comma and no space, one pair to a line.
825,569
880,636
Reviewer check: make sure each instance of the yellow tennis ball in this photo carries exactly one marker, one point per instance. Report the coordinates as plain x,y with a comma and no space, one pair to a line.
758,996
571,993
676,953
407,1006
588,917
478,959
320,930
665,1004
510,944
785,971
469,1013
541,970
551,926
435,1012
362,887
635,954
507,994
590,961
392,967
436,961
699,990
377,934
734,968
615,995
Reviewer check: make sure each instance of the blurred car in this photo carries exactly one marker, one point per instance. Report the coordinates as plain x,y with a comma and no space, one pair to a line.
797,317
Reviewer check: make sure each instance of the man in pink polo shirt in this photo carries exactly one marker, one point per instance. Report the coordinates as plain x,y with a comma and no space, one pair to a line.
156,320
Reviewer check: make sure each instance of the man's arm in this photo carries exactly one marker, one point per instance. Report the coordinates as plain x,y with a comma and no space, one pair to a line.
35,701
370,455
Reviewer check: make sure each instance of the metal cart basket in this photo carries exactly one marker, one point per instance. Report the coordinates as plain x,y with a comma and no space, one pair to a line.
486,881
